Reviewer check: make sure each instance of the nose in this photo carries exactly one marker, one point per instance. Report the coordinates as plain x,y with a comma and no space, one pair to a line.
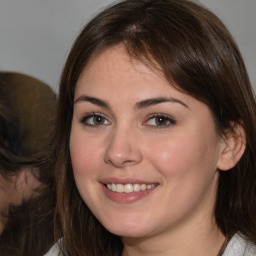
122,148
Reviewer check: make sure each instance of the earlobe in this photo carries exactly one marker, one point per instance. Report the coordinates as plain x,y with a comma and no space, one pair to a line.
234,142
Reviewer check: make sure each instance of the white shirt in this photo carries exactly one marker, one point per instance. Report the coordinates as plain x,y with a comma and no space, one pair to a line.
237,246
54,251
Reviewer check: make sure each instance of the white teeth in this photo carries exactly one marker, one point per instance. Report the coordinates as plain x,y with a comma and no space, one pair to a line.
113,187
136,187
119,188
143,187
129,188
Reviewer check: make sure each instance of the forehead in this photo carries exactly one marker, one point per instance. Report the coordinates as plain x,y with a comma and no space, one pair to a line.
120,80
110,59
114,74
115,65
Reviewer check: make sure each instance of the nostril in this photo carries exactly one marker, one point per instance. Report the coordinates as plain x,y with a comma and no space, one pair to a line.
122,150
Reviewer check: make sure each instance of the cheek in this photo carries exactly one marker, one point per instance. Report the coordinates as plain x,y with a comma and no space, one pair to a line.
84,154
86,151
188,170
183,155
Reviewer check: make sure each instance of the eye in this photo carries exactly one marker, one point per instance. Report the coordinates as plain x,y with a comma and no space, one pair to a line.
94,120
160,121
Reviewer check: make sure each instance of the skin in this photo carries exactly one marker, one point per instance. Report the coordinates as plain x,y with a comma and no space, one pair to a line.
116,137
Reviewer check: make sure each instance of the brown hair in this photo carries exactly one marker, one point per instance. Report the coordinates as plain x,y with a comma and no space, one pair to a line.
27,113
193,49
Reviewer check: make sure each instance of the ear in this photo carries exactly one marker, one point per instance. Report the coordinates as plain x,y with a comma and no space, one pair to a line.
27,183
233,147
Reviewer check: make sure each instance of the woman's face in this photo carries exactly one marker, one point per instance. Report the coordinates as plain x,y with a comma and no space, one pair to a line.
144,154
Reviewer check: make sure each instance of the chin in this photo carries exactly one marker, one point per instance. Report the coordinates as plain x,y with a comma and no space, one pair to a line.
126,223
131,230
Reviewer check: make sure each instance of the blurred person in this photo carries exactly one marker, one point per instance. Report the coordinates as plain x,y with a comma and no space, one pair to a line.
27,112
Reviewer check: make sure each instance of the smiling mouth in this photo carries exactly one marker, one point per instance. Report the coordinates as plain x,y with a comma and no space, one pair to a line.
129,188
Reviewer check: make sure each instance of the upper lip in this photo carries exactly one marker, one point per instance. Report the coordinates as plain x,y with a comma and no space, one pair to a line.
126,181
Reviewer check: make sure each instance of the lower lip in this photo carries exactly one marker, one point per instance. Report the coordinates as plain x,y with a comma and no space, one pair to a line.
126,198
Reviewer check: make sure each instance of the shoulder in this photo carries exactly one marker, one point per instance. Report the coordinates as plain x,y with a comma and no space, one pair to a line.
238,246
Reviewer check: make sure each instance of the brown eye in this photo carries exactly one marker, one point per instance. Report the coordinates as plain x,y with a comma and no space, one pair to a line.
95,120
160,121
98,120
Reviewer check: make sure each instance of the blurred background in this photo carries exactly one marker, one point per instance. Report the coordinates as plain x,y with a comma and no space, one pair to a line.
36,35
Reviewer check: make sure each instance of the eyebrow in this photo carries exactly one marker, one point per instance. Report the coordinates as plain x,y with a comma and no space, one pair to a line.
92,100
158,100
139,105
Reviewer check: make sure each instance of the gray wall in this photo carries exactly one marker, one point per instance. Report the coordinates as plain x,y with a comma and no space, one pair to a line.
36,35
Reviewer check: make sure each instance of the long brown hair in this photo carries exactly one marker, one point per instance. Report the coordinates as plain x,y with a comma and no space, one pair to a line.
193,49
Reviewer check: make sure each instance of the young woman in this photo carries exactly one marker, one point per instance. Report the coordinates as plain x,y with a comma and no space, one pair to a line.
155,138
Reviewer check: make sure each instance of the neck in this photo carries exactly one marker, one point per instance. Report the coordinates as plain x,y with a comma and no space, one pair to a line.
199,241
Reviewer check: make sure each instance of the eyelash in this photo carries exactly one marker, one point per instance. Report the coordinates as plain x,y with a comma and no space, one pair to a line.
167,120
85,120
